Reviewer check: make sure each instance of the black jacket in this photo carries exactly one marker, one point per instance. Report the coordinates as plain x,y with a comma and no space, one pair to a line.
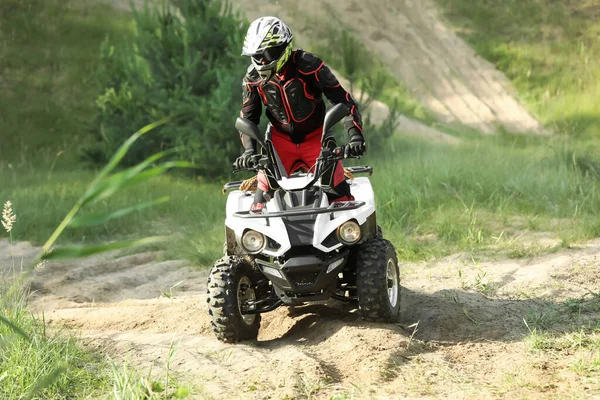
294,98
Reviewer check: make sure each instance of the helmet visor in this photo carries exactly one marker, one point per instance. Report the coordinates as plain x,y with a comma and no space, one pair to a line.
269,55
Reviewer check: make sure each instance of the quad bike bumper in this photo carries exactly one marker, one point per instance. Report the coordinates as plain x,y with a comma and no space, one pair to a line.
306,278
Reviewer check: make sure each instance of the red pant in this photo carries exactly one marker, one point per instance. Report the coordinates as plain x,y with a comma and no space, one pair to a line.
294,156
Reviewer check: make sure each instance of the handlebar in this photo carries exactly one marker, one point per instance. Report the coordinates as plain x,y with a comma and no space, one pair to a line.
337,154
327,155
258,162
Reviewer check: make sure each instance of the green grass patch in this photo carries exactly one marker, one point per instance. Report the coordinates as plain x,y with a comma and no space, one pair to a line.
194,214
49,51
38,363
549,49
568,334
432,200
581,347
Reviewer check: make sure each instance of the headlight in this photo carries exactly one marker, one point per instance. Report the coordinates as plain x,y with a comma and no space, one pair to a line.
253,241
349,232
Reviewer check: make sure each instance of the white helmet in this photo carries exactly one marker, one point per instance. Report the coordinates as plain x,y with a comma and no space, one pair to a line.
269,44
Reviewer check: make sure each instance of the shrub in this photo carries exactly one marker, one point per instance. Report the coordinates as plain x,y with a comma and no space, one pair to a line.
183,61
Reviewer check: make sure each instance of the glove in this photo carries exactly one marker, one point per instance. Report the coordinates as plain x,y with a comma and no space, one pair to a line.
356,147
243,161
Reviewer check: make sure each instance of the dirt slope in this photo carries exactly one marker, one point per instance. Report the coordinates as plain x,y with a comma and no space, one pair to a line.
434,63
468,340
378,111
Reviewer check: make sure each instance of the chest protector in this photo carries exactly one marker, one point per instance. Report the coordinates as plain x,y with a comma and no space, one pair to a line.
288,98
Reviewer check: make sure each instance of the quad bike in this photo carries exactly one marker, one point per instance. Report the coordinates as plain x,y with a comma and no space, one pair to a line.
300,248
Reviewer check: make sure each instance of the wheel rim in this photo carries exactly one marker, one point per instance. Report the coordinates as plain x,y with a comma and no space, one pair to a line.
245,292
392,282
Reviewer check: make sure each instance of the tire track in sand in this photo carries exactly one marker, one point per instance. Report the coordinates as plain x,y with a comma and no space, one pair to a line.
467,339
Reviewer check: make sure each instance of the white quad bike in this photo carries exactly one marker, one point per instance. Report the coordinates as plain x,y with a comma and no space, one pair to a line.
300,248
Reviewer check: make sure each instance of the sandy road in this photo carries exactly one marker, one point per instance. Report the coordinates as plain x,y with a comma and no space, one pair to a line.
466,342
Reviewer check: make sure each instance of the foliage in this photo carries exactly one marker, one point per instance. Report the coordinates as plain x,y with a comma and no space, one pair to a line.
36,363
181,62
45,83
48,53
106,185
33,362
432,200
195,211
41,364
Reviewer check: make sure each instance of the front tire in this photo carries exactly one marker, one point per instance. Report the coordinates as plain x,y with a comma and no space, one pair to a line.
230,282
378,281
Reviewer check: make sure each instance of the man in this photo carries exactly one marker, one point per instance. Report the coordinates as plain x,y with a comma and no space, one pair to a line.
291,85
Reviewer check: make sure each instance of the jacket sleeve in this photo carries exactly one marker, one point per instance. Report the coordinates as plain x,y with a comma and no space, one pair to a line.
324,80
251,106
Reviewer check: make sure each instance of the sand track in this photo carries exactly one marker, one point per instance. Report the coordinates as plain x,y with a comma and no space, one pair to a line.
465,341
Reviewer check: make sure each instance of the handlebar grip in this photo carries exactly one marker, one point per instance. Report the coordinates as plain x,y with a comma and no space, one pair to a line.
343,152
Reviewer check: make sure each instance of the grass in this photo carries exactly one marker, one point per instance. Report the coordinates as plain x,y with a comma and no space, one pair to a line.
48,55
34,362
431,202
577,350
194,212
48,63
465,198
309,387
567,334
547,48
48,89
28,359
37,362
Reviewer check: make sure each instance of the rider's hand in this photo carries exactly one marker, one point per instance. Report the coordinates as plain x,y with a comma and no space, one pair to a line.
244,161
356,146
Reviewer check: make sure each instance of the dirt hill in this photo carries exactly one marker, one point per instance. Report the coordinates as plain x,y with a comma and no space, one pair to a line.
436,65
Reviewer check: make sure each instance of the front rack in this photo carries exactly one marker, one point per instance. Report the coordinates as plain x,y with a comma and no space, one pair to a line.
363,169
334,207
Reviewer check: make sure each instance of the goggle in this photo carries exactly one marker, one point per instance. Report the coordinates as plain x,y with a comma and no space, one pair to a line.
269,55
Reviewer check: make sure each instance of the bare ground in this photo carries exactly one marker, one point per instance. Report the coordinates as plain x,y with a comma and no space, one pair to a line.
436,65
461,334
